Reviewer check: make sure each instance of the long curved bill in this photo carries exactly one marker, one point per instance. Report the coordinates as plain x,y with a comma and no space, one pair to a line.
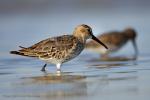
97,40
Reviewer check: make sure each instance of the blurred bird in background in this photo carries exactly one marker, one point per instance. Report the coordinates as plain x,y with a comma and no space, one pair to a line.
114,40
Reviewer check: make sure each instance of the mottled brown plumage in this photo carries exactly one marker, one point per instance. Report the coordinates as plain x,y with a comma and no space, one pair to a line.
114,41
57,50
56,47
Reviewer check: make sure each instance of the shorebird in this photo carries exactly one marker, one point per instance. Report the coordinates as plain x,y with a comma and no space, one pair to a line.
114,41
57,50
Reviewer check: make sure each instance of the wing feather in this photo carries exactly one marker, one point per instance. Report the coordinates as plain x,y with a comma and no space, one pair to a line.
50,47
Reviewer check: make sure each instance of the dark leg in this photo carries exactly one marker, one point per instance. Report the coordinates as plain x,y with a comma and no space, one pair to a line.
43,68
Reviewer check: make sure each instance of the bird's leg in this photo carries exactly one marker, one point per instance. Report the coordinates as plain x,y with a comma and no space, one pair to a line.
58,67
43,68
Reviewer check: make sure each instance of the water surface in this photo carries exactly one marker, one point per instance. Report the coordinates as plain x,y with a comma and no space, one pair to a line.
21,78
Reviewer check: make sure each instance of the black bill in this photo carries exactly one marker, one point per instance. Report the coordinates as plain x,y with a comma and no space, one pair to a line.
135,47
97,40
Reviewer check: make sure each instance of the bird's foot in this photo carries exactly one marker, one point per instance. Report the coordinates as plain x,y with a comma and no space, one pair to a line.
43,68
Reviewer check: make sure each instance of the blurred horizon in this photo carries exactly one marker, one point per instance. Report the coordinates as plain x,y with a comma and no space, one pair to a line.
74,5
25,22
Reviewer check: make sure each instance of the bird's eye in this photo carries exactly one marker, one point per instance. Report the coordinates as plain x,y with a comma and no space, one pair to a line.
89,30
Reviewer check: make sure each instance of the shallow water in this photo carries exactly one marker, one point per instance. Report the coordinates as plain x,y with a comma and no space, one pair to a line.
21,78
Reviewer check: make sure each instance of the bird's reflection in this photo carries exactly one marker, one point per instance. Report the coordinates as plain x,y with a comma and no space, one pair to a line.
114,58
69,86
119,58
117,61
54,86
56,78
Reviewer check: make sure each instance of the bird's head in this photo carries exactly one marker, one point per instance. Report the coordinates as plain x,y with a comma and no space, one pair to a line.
84,32
130,33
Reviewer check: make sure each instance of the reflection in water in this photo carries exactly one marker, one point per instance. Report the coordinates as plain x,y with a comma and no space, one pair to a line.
111,65
53,86
106,65
55,78
118,58
85,83
71,85
113,62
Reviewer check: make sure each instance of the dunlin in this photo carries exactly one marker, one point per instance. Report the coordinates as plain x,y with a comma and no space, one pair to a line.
57,50
114,41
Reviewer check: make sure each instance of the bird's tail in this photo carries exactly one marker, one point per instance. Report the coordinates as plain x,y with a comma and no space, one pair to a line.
24,52
16,52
